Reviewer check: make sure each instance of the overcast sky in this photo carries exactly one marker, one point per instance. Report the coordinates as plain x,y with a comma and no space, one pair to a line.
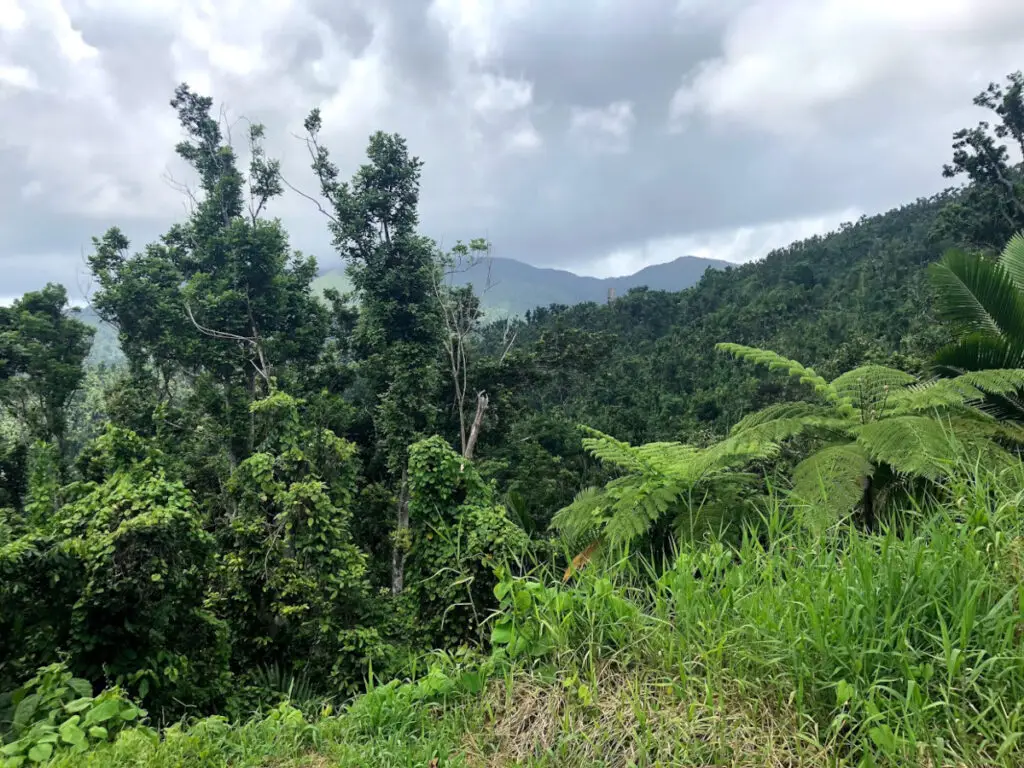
595,135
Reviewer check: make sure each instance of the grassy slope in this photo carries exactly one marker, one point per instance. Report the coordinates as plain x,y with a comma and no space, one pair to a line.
899,649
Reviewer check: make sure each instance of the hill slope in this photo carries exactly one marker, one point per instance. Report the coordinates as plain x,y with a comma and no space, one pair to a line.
511,287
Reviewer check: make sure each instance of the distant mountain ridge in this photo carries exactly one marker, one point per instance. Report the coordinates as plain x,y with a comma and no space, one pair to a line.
512,287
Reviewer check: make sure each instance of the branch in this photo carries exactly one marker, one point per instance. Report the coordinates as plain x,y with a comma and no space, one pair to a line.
253,342
481,406
311,199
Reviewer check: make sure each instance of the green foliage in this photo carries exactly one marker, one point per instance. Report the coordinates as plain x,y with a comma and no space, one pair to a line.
991,209
694,490
117,579
459,536
984,301
42,347
880,423
290,580
55,713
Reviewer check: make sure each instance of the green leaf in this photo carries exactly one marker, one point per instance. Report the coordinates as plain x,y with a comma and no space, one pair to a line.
98,732
129,713
71,734
502,633
82,687
79,705
25,711
40,753
102,712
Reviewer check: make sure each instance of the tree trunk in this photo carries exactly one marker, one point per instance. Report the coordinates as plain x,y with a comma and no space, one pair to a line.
398,547
868,503
474,433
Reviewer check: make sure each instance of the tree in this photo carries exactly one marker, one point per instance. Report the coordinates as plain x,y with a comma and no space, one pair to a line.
881,427
42,348
463,320
992,208
220,299
399,333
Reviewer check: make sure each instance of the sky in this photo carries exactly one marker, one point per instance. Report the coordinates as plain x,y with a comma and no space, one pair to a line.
597,136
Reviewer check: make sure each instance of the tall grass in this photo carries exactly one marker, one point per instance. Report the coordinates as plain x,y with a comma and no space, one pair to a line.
904,647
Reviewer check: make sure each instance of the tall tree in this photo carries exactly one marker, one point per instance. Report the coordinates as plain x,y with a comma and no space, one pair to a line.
42,348
394,271
989,155
220,298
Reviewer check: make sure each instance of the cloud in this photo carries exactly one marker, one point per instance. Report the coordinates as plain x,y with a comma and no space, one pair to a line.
600,137
604,129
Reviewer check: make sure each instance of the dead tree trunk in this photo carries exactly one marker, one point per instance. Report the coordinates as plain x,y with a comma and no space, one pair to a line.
474,433
400,543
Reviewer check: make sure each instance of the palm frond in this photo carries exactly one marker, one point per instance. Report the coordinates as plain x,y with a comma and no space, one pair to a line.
975,352
1012,259
978,296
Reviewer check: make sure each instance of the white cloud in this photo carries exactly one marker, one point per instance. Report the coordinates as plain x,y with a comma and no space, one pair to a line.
786,63
603,129
737,245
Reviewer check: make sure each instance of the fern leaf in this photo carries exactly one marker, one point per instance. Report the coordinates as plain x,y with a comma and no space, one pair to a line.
611,451
581,516
869,387
912,445
779,412
774,361
831,482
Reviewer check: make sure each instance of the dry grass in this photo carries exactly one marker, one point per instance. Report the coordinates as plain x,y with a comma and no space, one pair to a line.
632,721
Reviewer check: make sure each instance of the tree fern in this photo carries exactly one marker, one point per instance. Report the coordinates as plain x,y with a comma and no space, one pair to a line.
692,488
875,418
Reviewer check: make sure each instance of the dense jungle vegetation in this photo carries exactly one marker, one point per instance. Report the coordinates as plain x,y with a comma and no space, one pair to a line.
774,519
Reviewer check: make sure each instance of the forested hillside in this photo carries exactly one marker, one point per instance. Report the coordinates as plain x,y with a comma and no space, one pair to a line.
509,287
771,519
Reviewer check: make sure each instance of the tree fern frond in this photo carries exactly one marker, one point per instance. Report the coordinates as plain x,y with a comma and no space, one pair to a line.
779,412
830,483
612,451
911,445
870,386
992,381
582,516
1012,260
774,361
978,295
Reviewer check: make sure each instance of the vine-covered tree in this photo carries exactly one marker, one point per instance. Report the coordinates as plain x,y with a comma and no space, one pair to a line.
399,332
220,299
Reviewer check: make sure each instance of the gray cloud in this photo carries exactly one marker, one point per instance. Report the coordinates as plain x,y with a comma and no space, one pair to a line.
599,139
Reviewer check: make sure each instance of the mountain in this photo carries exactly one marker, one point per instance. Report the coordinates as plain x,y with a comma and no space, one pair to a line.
510,287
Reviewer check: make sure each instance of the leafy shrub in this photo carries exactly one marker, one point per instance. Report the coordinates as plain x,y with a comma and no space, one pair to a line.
55,712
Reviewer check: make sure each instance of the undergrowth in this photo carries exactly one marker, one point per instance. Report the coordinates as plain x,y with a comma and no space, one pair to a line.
903,647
